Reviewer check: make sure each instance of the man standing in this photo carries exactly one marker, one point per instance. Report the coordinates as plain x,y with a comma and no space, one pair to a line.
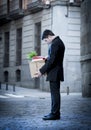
54,69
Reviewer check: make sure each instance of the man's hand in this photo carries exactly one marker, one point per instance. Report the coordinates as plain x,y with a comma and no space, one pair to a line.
39,74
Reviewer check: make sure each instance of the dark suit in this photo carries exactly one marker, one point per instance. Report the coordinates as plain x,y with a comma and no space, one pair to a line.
54,69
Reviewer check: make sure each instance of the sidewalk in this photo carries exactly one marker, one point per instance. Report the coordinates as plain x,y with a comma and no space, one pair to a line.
26,92
23,92
24,109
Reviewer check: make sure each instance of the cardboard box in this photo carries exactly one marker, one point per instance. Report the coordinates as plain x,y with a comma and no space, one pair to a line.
34,66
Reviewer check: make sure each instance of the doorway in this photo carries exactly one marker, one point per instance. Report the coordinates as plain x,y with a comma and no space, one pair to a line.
37,47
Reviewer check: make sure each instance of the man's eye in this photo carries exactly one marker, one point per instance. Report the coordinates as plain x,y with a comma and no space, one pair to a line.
45,40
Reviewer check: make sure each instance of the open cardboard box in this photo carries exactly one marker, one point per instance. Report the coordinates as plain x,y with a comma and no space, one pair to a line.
34,66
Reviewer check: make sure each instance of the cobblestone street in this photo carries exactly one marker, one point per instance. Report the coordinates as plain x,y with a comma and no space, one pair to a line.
24,109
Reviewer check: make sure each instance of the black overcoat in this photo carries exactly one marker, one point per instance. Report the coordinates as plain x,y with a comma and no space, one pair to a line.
54,66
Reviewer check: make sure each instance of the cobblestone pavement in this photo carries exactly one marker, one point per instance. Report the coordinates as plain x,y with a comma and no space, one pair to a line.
24,109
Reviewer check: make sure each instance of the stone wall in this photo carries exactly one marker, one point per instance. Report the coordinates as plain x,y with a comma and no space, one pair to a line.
86,47
66,24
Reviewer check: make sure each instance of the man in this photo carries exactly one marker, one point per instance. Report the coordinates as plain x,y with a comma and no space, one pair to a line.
54,69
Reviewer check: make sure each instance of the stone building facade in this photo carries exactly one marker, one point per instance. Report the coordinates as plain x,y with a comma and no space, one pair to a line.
21,25
86,47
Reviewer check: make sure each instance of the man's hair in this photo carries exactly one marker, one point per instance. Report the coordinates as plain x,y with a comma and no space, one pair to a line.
46,33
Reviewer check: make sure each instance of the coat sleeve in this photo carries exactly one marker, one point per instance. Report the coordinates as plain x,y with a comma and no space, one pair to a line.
51,62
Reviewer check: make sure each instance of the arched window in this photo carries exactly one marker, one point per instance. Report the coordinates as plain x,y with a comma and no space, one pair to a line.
18,75
6,76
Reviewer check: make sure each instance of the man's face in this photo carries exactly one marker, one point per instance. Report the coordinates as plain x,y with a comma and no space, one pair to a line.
48,40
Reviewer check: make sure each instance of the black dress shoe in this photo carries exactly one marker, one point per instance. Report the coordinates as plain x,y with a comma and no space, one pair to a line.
51,117
57,114
48,115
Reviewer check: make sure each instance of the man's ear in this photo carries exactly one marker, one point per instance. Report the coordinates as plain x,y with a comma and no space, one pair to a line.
48,36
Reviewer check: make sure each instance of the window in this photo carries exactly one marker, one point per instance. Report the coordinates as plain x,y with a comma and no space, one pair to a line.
0,2
18,75
18,46
20,4
38,38
6,50
6,76
8,6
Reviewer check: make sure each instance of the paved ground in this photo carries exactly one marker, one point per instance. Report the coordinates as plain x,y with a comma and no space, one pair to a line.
24,109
